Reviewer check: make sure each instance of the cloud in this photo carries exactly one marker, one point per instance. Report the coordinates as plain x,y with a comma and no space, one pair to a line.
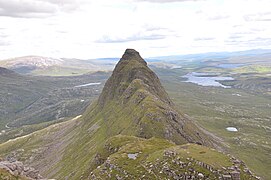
88,28
136,37
165,1
204,39
36,8
235,36
218,17
26,8
266,16
4,43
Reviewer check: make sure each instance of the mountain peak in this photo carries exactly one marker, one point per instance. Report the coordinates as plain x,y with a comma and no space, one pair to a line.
132,54
133,85
131,69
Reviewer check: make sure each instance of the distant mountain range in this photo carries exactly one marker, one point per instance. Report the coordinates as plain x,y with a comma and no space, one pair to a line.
37,65
212,55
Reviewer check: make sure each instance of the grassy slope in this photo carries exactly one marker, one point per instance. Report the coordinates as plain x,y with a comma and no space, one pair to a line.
27,129
43,148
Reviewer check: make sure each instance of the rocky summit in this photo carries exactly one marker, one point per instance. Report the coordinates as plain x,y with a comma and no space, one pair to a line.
133,131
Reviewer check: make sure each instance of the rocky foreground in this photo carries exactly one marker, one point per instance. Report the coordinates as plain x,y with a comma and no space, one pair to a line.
17,170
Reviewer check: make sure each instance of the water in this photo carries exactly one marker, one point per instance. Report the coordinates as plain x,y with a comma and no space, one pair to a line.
206,79
232,129
230,66
132,156
88,84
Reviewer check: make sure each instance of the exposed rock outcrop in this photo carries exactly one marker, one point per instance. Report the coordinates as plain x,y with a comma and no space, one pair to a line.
18,169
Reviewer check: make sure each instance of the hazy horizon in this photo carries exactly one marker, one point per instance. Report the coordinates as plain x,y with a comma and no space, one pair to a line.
150,57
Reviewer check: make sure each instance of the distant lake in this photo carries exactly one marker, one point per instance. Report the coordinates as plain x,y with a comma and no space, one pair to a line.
207,79
88,84
230,66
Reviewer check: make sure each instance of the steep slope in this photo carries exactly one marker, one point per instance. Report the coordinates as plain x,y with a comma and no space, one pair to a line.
6,72
135,98
133,103
27,100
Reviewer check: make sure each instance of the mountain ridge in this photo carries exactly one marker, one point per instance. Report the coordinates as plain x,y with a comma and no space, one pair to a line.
133,113
136,69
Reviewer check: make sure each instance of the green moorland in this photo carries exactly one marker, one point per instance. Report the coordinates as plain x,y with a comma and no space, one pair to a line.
245,106
132,103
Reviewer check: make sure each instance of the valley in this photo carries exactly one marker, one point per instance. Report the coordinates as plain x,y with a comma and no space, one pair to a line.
244,105
29,103
230,100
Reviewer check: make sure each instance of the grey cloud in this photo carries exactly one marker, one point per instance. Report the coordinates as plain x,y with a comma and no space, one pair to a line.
26,8
204,39
252,42
153,28
36,8
165,1
4,43
218,17
3,35
137,37
68,5
235,36
266,16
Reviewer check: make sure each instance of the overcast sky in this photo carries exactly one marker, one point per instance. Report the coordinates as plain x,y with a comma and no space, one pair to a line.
105,28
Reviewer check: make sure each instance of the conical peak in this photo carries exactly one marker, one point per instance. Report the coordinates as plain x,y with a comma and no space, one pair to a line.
131,54
132,67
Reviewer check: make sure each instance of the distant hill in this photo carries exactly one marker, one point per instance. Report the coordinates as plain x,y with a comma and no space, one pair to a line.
37,65
256,56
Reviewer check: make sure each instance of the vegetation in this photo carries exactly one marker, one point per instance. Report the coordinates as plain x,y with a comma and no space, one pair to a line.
134,115
132,103
29,100
5,175
245,106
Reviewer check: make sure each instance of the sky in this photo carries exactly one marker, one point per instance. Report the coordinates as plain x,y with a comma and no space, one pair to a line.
89,29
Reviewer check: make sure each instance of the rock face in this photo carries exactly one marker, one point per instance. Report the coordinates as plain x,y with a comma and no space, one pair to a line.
17,169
